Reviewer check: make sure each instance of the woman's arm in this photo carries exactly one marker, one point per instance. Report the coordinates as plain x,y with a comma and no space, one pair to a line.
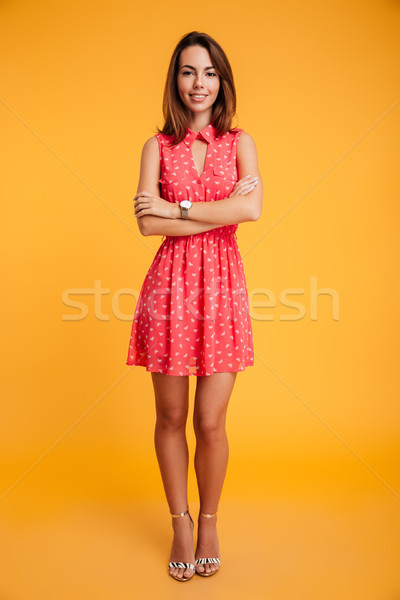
149,180
236,209
152,225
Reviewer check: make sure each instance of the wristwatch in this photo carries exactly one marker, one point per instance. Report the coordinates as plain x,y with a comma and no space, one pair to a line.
185,205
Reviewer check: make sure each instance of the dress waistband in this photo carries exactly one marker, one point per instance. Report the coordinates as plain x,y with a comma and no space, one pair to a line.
223,231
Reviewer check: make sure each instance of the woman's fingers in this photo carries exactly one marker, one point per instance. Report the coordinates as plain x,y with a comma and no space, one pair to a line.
141,195
140,201
147,203
244,186
247,182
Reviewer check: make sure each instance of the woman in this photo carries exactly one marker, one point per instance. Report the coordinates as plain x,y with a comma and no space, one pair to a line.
192,315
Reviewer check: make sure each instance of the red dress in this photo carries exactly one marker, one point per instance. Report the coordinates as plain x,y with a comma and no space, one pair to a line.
192,315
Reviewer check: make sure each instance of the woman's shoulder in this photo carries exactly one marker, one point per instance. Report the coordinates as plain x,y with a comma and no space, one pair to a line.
151,149
163,138
155,143
237,133
243,136
150,145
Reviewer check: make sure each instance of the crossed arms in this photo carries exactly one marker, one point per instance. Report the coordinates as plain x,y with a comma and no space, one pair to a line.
203,216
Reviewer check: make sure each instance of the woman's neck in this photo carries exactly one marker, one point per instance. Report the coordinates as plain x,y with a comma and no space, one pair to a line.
198,121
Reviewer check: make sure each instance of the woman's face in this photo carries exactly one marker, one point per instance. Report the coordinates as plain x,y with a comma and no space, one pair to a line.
197,80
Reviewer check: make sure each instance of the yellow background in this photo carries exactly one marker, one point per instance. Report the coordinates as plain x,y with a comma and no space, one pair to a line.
310,506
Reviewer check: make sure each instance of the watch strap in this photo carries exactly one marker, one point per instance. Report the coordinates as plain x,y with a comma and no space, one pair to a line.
184,212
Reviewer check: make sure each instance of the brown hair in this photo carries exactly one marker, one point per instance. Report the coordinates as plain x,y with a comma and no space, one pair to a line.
224,108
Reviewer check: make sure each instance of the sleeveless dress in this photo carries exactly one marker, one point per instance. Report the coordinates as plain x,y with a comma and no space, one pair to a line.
192,315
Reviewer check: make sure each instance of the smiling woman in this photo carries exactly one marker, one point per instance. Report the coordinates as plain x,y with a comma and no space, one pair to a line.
197,85
199,179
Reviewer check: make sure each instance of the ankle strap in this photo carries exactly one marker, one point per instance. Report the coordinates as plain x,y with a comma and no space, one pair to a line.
208,515
182,514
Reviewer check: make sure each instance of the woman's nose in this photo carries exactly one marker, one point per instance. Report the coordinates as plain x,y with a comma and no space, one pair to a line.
198,81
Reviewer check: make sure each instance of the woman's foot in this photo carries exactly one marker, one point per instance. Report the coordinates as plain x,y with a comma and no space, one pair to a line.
207,543
182,546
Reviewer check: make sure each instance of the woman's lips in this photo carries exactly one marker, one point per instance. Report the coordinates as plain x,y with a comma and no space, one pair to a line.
193,97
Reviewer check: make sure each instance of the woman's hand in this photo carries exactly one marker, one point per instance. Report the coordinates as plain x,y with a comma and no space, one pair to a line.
244,186
147,204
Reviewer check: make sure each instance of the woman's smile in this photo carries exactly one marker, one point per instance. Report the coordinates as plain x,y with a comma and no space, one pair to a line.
198,97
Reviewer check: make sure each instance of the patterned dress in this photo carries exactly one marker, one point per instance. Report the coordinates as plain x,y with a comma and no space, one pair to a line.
192,315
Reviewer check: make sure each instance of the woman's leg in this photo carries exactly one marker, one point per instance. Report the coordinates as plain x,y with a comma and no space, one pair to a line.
211,456
172,402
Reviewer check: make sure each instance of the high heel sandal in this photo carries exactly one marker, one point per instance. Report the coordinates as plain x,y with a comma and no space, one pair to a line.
203,561
181,565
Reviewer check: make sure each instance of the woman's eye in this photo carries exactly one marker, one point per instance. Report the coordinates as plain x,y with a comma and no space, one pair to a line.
191,73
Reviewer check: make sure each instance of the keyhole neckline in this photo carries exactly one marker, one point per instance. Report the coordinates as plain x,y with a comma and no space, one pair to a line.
207,134
206,162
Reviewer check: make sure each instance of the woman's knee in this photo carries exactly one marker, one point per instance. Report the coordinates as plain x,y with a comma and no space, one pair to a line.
172,401
171,412
171,419
209,427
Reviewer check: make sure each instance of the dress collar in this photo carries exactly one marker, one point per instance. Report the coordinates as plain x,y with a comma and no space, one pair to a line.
207,134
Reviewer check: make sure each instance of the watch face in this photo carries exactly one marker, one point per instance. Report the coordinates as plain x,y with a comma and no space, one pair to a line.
186,203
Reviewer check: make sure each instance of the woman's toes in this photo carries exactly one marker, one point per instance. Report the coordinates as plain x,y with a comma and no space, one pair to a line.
176,572
200,568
